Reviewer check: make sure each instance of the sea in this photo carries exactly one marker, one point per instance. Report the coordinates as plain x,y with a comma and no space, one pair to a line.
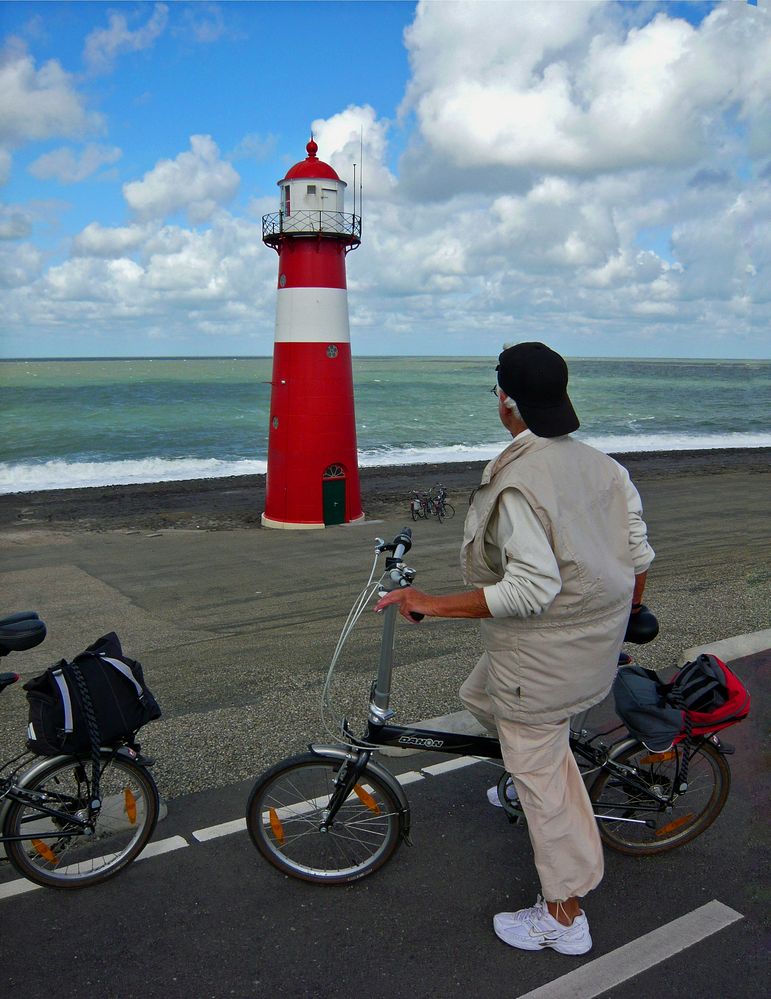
75,423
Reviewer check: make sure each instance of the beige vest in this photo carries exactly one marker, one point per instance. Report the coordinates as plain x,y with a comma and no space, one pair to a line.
547,667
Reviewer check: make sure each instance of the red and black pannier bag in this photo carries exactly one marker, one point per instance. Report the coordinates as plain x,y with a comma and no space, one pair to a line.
704,696
711,696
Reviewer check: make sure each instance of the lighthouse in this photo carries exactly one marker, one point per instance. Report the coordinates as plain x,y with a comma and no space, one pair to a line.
313,474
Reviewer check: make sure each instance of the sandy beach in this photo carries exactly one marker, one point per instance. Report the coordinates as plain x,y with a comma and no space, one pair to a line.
235,625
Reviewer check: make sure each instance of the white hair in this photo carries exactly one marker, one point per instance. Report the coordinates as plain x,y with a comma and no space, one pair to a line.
509,403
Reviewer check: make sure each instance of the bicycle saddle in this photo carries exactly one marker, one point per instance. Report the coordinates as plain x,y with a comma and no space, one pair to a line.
21,631
643,627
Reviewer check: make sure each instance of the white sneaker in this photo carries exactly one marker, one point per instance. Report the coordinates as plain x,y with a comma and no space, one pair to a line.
511,795
537,929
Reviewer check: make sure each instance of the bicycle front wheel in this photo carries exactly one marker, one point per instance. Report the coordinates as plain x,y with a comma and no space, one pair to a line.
285,813
60,853
449,511
644,828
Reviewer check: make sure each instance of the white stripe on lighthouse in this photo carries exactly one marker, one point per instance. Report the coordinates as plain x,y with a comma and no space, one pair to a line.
312,315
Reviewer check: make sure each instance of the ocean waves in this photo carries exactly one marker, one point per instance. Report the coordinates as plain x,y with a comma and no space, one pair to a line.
18,477
58,474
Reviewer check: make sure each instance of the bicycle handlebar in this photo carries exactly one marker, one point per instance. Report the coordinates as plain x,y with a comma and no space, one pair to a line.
400,545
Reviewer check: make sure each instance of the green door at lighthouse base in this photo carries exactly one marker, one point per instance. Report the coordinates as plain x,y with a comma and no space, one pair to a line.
334,501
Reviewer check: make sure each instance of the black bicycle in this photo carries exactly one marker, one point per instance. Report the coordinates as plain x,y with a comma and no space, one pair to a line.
441,508
334,815
56,830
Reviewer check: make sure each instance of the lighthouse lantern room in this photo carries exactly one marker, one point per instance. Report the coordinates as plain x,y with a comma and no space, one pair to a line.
313,475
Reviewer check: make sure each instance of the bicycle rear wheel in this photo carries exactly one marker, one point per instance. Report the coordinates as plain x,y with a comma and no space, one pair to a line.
71,858
285,812
693,811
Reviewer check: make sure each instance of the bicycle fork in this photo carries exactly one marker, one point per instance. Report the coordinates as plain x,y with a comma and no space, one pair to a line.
354,766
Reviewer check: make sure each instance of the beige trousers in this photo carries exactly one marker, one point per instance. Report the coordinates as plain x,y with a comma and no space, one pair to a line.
563,831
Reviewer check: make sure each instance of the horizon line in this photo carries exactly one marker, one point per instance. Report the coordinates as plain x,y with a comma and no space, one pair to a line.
359,357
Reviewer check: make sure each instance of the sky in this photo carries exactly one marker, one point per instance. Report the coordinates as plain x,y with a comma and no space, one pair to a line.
594,175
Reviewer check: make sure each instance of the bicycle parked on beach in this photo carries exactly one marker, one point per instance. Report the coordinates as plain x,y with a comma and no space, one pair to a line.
334,815
55,829
441,509
420,505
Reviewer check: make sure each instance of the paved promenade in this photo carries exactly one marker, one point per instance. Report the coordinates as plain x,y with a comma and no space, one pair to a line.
235,629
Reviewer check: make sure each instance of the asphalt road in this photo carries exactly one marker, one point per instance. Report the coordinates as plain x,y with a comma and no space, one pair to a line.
212,919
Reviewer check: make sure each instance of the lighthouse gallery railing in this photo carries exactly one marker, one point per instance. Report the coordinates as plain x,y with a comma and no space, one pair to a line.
313,223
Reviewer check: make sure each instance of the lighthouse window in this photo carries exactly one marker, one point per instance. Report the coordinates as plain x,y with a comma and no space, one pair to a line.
287,202
312,189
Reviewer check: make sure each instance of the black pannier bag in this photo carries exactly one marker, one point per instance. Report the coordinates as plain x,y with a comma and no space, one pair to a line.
120,701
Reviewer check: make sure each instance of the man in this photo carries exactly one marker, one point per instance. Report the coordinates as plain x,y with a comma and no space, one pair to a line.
556,551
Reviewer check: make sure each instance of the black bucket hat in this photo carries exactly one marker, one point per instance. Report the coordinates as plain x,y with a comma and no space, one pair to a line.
536,378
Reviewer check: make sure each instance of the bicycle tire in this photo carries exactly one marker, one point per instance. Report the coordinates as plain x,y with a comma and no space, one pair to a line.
284,814
414,512
125,823
693,811
449,511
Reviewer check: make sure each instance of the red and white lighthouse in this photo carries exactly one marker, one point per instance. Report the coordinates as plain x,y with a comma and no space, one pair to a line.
313,474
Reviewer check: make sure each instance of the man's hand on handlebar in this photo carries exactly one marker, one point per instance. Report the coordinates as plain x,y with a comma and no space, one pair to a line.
471,603
411,602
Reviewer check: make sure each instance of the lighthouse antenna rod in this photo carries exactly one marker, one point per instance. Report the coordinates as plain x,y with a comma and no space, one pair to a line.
361,171
354,189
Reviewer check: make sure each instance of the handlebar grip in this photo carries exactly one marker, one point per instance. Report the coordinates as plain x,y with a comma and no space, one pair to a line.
402,543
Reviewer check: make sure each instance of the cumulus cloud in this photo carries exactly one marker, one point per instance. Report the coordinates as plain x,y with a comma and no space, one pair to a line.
39,103
560,87
597,173
15,223
69,167
108,241
350,135
147,278
104,45
203,22
196,182
5,166
20,264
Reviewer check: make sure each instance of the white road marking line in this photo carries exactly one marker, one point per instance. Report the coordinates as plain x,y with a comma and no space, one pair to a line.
163,846
12,888
455,764
19,887
300,807
639,955
409,777
223,829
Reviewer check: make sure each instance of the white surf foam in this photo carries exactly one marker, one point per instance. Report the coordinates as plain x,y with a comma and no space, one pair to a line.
35,476
21,477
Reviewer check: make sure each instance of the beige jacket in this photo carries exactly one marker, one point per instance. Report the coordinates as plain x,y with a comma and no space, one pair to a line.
545,668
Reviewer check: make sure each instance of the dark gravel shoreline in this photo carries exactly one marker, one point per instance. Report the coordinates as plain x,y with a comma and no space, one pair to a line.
238,501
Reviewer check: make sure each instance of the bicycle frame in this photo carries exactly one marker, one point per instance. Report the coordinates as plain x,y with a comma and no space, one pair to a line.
15,790
379,733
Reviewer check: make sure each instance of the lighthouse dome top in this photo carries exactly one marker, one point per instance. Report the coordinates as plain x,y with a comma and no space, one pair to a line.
311,166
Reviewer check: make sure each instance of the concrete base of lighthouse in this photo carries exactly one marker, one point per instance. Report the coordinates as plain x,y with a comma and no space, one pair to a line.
287,526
